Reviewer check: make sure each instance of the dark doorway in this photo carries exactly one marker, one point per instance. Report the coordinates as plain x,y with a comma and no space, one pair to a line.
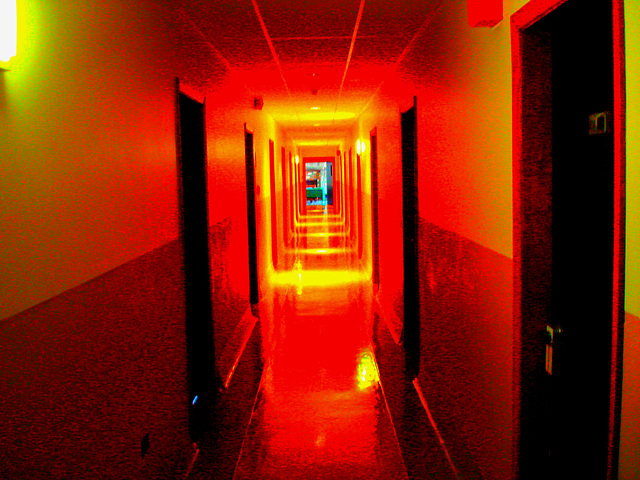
285,195
373,136
274,213
351,193
337,187
360,203
567,232
411,291
319,180
303,190
192,167
293,208
249,163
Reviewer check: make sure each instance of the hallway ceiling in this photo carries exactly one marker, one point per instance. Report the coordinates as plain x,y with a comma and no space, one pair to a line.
283,50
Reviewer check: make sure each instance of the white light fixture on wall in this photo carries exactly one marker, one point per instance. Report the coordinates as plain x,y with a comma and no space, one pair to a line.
8,31
360,147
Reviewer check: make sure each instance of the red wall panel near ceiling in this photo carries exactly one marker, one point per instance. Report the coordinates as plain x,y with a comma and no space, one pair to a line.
484,13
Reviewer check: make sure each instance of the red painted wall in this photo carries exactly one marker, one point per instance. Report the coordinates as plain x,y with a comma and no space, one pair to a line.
90,225
461,77
88,373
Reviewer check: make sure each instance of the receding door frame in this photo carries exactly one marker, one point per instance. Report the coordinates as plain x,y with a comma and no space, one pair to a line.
337,185
292,195
360,200
191,149
274,204
351,192
531,135
317,160
410,239
252,244
285,196
373,141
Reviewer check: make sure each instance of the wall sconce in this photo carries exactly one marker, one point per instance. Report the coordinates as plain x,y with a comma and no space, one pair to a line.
360,147
484,13
8,32
297,159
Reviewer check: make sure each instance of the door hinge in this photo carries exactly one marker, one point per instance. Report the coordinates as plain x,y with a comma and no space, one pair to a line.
548,359
600,123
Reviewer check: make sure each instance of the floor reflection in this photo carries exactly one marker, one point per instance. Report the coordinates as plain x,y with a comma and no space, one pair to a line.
319,413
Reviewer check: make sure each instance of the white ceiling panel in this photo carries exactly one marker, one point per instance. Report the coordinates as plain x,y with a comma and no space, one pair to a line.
312,42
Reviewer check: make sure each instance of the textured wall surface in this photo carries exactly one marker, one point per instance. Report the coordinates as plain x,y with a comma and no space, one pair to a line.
466,358
87,374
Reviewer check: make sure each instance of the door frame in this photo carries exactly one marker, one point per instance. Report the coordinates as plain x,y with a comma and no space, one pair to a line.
307,160
293,209
337,185
193,200
360,200
531,135
373,141
285,196
274,204
410,240
250,164
352,193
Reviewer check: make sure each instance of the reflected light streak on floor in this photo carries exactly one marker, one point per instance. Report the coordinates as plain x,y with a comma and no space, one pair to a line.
320,412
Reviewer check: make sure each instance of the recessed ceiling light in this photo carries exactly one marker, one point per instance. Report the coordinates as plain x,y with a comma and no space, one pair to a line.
315,108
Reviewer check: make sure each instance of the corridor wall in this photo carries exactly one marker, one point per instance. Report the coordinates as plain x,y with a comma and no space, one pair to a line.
92,303
630,430
462,79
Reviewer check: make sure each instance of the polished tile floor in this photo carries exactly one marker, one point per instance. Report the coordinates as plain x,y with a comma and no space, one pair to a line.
320,412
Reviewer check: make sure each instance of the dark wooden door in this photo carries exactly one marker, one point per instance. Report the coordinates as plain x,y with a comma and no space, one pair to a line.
565,241
195,236
410,239
582,238
249,162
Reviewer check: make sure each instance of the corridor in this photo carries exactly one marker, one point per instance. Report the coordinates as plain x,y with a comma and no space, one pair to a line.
286,239
319,413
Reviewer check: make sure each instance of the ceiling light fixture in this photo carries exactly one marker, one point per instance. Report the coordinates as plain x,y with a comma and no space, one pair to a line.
315,108
8,31
360,147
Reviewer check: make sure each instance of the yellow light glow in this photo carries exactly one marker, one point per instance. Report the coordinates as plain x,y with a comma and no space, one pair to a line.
359,147
316,278
324,141
316,116
324,235
8,30
367,371
297,159
321,251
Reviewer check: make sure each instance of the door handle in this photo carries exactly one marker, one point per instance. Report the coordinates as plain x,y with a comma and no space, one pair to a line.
552,334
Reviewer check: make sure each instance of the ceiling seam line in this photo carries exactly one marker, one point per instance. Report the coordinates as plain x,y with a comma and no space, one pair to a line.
233,71
270,43
346,67
404,53
320,37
